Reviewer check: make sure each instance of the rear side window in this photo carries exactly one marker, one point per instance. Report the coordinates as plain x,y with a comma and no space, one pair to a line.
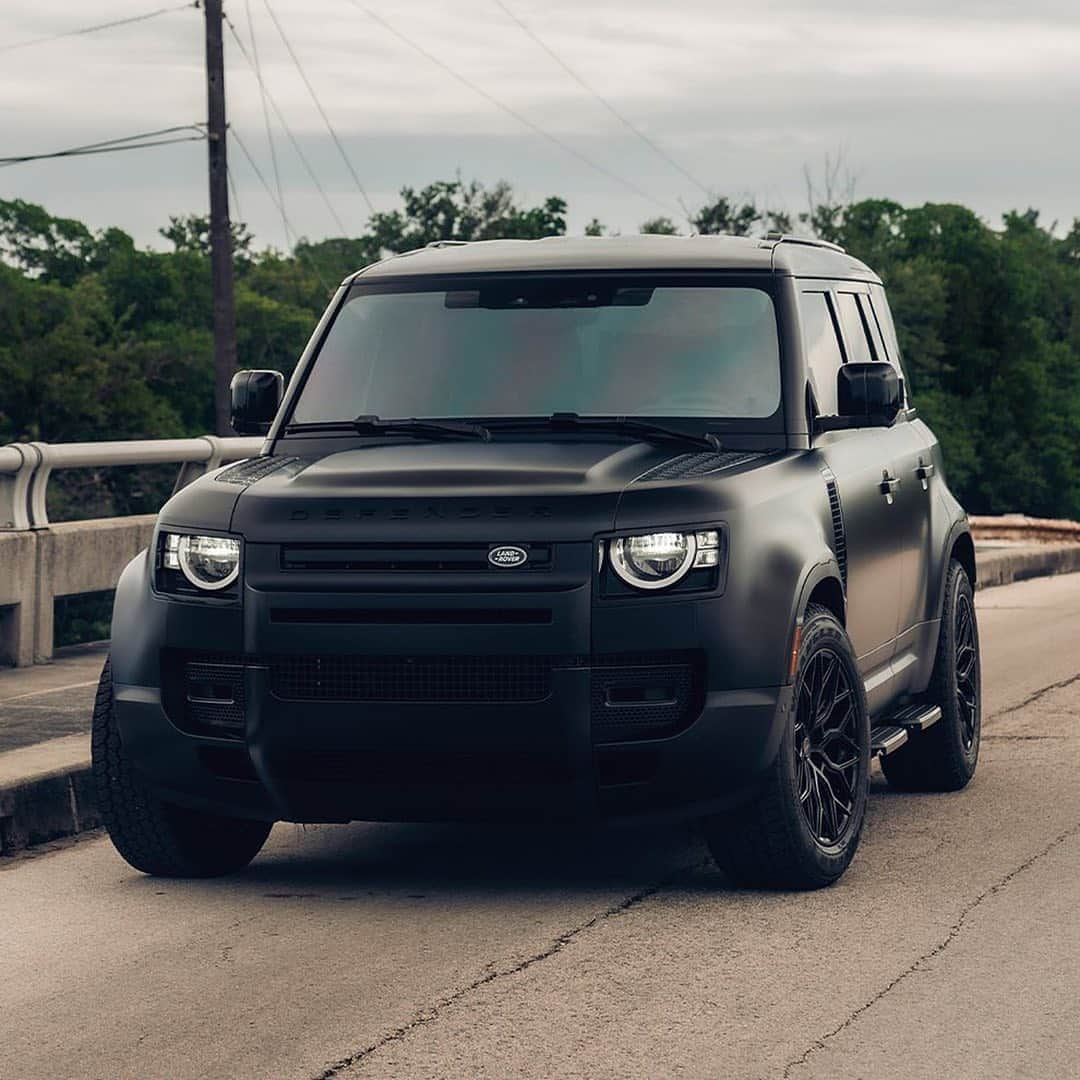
858,344
870,323
822,344
888,331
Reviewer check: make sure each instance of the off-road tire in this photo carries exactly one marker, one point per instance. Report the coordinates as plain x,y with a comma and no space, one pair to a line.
768,842
154,836
937,759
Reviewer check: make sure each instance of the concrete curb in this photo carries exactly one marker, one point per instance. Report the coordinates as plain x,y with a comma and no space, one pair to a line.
1000,566
46,791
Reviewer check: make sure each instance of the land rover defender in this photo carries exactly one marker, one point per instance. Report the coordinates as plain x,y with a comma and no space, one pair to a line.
549,530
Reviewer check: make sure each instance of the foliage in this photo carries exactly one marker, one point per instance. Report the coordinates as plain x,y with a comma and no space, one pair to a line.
102,339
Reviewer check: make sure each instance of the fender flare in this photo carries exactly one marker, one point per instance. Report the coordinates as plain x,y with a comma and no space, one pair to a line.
824,569
959,528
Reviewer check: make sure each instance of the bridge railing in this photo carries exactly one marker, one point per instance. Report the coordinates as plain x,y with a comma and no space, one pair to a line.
25,468
40,562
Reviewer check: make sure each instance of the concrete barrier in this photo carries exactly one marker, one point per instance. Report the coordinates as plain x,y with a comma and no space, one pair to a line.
1020,528
1002,565
63,560
18,573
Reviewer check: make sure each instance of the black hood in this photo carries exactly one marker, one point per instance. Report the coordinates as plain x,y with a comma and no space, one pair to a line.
501,490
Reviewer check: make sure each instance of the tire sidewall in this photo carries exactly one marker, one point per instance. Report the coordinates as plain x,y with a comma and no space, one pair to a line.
959,586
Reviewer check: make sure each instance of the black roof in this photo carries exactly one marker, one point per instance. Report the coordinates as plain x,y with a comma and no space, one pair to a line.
773,253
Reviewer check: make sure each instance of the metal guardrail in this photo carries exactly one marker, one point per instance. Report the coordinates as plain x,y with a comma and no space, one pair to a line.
25,468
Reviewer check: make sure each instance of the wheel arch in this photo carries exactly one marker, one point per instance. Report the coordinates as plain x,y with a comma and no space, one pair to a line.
958,545
821,583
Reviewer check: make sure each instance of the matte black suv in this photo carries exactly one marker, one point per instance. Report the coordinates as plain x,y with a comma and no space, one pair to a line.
557,528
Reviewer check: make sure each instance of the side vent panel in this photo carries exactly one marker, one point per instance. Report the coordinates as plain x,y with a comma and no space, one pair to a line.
839,535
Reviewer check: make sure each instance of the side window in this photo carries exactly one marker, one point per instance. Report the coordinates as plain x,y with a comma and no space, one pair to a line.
858,344
888,331
870,324
822,346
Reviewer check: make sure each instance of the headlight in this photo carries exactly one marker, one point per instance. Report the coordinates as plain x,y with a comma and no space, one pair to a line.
208,562
656,560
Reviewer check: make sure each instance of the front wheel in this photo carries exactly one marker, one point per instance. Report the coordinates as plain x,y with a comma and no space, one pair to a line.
802,829
152,835
944,756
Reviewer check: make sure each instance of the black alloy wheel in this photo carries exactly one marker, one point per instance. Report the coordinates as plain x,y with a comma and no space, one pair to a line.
801,827
967,670
827,752
944,756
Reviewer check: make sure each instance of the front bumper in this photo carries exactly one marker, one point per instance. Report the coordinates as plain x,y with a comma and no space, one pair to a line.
416,762
416,705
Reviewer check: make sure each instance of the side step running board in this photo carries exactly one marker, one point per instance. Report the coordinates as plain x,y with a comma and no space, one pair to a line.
884,740
916,717
890,736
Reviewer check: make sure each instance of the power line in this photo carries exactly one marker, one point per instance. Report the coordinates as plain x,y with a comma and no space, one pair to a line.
234,193
109,146
289,230
285,127
99,26
265,109
288,225
510,111
318,105
623,119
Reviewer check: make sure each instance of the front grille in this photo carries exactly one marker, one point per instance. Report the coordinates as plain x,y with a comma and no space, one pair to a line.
634,696
411,678
415,558
399,616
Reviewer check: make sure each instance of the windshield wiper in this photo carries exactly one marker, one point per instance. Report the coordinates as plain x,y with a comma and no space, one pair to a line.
373,425
616,425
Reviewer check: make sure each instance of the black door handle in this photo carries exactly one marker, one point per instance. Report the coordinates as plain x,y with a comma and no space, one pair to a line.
924,472
888,485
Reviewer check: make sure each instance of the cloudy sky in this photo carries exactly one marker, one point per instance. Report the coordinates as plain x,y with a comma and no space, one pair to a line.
975,101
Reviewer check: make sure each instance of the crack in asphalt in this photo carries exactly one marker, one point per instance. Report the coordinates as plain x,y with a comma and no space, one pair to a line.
433,1012
920,963
1032,698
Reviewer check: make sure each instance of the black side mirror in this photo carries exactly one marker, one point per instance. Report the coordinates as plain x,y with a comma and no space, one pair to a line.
867,395
256,396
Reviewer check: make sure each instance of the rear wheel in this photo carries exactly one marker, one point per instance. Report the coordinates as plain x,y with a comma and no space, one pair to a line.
155,836
803,827
944,756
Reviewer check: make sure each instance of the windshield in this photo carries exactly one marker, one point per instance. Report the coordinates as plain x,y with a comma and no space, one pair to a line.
534,346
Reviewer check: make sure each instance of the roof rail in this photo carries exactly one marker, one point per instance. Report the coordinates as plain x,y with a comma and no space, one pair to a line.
809,241
446,243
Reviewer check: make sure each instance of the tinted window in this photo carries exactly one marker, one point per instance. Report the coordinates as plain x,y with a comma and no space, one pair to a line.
823,356
888,331
534,346
858,347
877,345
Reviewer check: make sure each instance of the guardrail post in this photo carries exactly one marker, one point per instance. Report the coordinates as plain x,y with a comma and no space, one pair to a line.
39,482
21,460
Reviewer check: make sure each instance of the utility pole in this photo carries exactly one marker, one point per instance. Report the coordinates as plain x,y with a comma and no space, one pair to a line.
221,253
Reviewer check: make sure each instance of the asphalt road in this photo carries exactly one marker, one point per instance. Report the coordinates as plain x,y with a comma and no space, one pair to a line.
950,949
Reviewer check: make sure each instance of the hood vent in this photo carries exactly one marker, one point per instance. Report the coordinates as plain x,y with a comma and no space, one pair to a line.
245,473
839,535
688,466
